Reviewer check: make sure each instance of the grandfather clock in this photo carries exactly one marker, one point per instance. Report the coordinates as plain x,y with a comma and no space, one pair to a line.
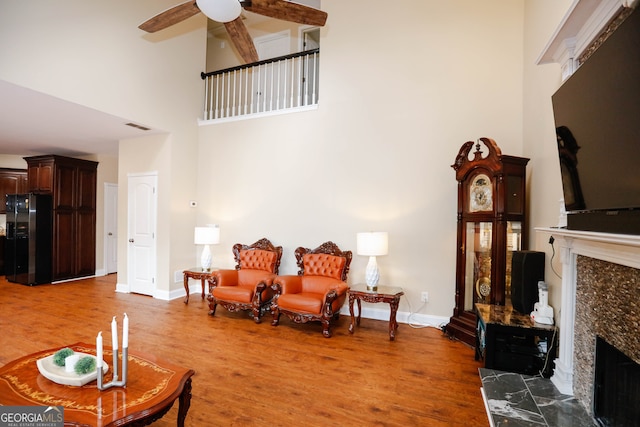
491,225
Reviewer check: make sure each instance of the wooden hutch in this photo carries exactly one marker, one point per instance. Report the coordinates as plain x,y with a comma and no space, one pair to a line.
72,185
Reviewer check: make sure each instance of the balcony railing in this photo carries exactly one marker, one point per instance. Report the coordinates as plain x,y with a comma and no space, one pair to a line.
274,85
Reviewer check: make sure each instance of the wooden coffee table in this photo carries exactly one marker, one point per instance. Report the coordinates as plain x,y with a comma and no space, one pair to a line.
152,388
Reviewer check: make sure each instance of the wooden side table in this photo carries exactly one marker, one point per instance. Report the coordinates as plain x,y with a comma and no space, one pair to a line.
388,294
152,388
196,274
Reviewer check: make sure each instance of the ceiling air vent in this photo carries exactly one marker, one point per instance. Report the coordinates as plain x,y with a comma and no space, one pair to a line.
133,125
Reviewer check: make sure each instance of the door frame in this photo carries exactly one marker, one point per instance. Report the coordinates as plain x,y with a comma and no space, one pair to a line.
309,63
110,217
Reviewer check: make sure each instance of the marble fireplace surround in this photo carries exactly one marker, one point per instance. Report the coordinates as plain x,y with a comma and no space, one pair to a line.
600,284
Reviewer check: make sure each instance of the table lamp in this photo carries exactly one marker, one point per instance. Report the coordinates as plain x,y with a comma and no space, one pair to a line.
372,244
206,236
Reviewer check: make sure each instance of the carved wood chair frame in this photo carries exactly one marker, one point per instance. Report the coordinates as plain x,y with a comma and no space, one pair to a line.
326,315
257,306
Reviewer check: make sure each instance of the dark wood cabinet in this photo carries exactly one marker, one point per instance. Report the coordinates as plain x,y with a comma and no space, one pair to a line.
491,225
72,184
510,341
40,174
12,181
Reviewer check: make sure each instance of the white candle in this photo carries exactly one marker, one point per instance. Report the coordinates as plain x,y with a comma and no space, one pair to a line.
70,362
99,350
114,333
125,332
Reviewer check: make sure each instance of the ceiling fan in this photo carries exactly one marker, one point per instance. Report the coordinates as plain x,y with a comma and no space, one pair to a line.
228,12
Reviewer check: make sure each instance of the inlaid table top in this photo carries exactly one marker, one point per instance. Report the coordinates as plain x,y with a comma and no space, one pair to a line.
152,387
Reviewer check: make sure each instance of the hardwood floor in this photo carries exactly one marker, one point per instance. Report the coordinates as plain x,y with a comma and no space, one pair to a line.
250,375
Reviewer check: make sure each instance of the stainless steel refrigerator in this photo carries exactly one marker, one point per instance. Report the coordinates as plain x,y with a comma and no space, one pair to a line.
29,238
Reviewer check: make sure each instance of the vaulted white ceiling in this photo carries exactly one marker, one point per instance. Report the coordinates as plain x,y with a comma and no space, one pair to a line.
33,123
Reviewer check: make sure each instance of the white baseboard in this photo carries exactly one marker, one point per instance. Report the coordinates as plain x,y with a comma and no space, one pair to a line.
123,288
416,319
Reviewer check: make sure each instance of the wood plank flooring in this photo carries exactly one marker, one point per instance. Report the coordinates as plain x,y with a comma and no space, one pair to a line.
250,375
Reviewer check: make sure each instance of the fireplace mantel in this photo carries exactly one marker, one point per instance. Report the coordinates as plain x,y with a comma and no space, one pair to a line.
615,248
621,249
584,22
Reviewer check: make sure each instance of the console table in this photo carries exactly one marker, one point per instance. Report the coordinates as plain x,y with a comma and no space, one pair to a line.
152,388
510,341
389,294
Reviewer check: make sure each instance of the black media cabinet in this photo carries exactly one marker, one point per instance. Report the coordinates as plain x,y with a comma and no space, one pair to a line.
510,341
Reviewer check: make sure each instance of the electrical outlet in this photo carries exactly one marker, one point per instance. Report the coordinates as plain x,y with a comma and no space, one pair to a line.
424,297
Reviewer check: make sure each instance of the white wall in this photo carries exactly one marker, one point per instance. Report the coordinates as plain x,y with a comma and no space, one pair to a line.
400,92
540,82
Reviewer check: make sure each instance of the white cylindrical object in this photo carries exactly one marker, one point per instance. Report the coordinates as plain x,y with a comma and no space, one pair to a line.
70,362
373,243
99,350
114,333
125,332
209,235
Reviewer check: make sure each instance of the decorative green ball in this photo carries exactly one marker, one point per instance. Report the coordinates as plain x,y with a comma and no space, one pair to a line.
61,355
85,365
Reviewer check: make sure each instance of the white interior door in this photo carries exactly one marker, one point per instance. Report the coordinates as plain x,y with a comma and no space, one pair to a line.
110,228
141,257
310,80
269,79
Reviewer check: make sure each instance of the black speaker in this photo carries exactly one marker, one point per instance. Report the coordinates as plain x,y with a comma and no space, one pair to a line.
527,268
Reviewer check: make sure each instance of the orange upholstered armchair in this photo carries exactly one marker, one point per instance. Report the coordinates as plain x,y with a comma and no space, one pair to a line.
248,287
318,291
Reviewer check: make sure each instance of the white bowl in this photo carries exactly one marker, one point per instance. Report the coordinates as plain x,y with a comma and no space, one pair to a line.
59,375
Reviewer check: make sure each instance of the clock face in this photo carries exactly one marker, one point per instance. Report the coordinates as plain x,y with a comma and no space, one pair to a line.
481,194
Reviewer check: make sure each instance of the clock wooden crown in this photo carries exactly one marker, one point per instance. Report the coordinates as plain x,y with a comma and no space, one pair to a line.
491,161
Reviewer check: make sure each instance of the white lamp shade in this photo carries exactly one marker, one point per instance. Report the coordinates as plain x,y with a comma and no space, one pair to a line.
373,243
207,236
220,10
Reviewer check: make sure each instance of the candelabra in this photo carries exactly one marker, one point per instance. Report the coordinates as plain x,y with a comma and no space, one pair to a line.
115,382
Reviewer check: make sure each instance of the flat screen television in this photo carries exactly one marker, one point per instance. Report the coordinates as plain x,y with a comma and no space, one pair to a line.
597,118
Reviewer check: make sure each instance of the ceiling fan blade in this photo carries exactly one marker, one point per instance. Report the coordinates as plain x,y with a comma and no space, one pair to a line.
288,11
170,17
242,40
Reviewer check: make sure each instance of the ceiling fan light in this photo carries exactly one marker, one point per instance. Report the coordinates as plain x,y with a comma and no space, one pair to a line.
220,10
